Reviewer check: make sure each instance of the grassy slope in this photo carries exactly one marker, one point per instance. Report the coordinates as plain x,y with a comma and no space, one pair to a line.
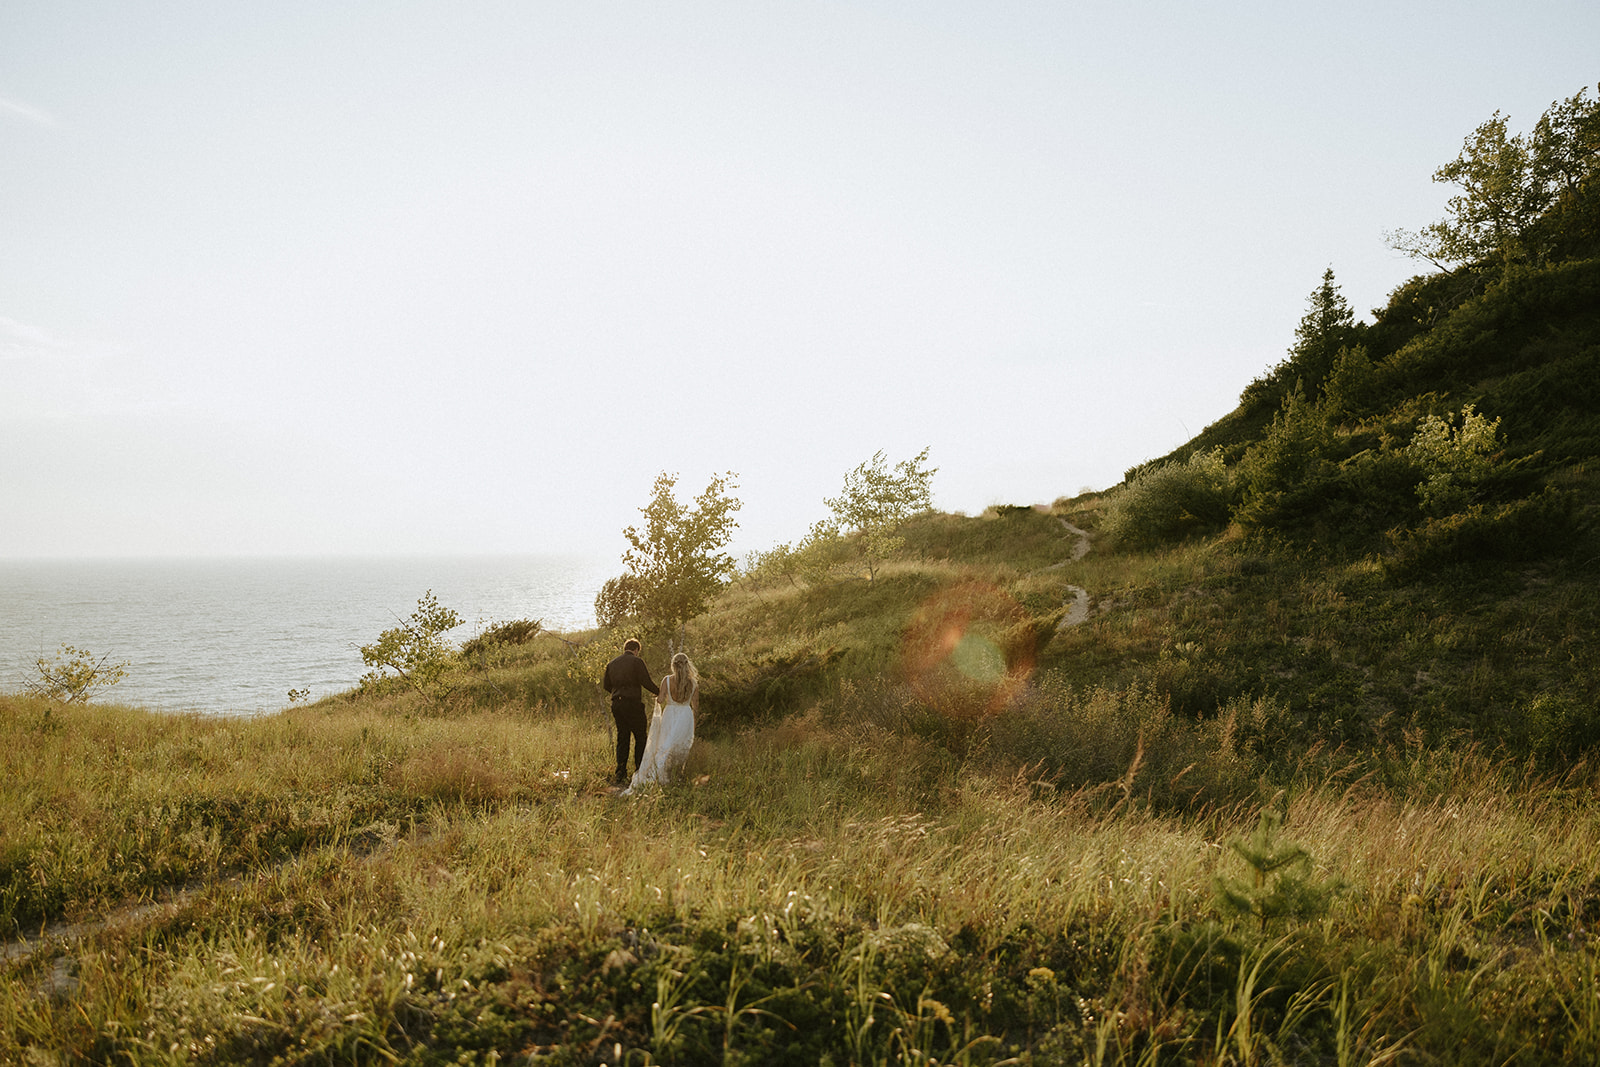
1455,629
875,859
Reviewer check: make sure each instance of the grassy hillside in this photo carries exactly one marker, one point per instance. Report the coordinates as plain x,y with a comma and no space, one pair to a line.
922,825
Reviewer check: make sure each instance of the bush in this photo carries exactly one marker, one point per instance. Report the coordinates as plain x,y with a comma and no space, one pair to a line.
1454,459
1284,473
73,675
513,632
1170,502
1561,728
415,650
1521,529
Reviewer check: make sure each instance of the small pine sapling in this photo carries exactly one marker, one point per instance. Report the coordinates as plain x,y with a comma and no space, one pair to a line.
1281,885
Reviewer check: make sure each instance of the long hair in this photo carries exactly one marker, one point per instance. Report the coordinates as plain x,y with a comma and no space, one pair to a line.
684,678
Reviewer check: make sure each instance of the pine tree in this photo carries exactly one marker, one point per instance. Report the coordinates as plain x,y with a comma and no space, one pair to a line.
1327,326
1282,884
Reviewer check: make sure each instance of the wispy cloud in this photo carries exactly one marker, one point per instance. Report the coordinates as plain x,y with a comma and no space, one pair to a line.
18,339
14,109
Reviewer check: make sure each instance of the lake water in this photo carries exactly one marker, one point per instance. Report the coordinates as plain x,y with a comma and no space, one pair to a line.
233,636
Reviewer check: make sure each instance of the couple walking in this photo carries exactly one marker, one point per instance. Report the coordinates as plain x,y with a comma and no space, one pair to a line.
661,745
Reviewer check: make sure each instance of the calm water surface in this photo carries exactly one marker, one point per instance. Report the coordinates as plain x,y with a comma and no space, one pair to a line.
233,636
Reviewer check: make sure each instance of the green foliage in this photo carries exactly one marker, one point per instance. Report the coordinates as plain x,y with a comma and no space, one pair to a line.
875,502
780,563
619,601
73,675
677,563
1508,184
416,651
1352,387
822,551
1561,726
1483,535
502,634
1454,460
1328,326
1282,884
1501,197
1169,502
813,559
1284,473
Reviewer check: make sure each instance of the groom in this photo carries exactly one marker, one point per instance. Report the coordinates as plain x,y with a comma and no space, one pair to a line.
625,678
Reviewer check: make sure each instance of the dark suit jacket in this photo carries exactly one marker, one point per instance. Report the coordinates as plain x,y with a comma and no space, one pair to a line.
625,677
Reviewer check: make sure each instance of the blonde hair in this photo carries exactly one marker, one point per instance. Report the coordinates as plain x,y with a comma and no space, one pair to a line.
684,677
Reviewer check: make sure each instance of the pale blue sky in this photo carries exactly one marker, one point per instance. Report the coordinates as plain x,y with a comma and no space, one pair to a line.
444,277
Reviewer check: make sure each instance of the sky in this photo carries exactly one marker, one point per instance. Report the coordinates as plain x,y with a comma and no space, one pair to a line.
309,278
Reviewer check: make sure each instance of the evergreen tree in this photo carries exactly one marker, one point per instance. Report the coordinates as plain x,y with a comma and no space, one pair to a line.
1328,325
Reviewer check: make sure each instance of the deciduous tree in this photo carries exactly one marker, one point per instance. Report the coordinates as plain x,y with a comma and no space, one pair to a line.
877,501
1507,185
678,561
415,650
74,675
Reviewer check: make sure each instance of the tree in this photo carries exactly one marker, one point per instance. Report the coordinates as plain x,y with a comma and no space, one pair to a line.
876,502
1282,473
74,675
415,650
1566,144
1501,197
1327,326
1508,184
618,601
678,562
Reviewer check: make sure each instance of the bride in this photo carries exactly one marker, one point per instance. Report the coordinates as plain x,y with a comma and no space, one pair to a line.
672,726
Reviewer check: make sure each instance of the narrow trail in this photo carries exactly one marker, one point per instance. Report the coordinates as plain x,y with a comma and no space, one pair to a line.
168,902
60,980
126,916
1078,610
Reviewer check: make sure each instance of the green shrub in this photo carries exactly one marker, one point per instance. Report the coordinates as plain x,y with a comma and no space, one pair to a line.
1170,502
1285,473
416,651
1454,459
1561,728
512,632
1483,533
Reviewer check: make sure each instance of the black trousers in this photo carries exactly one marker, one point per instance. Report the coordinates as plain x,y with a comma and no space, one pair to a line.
631,723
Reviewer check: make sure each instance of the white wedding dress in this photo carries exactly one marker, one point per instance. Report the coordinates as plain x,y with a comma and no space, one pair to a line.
671,737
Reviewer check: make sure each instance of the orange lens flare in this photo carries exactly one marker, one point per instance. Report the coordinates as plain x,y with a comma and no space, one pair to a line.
971,639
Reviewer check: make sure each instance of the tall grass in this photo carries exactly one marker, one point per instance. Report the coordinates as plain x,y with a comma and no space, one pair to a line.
876,855
844,887
104,804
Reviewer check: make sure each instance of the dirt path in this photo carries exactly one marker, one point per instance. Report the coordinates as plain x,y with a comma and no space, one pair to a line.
1078,610
168,902
127,916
